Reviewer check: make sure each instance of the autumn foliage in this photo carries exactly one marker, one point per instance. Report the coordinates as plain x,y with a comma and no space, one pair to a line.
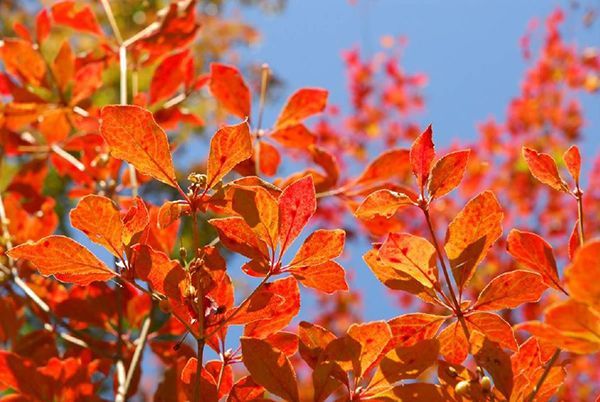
161,240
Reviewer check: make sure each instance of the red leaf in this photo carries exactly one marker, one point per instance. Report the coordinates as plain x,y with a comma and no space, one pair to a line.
572,159
422,154
23,61
382,203
511,289
42,25
297,204
228,86
236,235
135,220
99,219
171,211
543,167
583,273
494,327
88,80
294,136
409,329
269,159
328,277
393,164
229,146
447,173
534,253
169,76
302,104
64,258
246,390
471,233
321,246
412,255
80,18
21,375
133,135
270,368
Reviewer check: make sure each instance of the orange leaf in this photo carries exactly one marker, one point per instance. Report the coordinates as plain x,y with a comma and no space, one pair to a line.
511,289
228,86
269,159
490,356
294,136
412,255
417,391
260,211
21,375
543,167
576,319
297,204
133,135
270,368
454,345
313,341
553,336
99,219
494,327
22,60
80,18
574,240
572,159
287,342
163,274
471,234
404,362
397,280
63,66
302,104
245,389
422,154
583,273
328,277
534,253
409,329
169,76
229,146
382,203
282,314
64,258
360,347
236,235
321,246
447,173
389,165
135,221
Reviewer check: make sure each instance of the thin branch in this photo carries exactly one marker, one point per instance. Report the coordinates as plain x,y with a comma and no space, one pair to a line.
264,80
112,21
138,353
540,382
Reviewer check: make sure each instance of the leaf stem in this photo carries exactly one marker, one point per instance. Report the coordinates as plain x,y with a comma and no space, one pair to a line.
540,382
458,310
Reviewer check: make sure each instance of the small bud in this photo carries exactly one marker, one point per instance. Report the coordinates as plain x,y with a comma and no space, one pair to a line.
182,253
462,388
486,383
452,372
189,292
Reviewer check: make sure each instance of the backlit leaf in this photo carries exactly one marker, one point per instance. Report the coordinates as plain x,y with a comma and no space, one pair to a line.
412,255
382,203
133,135
297,204
422,154
98,218
270,368
320,247
543,167
532,251
471,233
229,146
583,273
236,235
64,258
302,104
572,159
494,327
409,329
511,289
447,173
228,86
328,277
